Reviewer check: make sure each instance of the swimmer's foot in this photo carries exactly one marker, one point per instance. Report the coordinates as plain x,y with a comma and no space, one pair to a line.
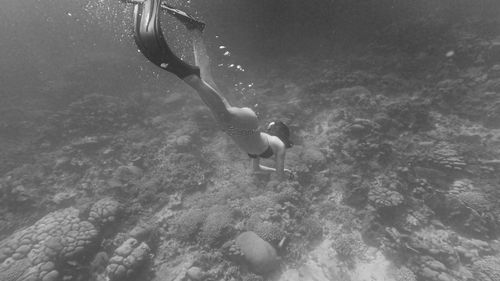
149,38
133,1
188,21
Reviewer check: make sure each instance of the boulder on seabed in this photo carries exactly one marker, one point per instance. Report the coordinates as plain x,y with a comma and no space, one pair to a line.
260,256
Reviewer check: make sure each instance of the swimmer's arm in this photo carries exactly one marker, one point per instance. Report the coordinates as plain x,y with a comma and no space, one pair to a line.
258,168
280,163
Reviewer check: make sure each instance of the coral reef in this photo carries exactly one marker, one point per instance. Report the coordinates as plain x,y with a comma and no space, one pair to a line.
472,212
94,114
410,115
404,274
347,248
404,132
180,171
218,226
270,232
104,212
381,197
36,252
486,269
443,156
187,225
127,260
431,269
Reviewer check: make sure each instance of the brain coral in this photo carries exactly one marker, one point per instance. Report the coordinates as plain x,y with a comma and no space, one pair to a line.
32,253
127,259
104,211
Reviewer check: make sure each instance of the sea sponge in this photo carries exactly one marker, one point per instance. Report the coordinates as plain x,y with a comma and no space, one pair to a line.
218,226
259,255
32,253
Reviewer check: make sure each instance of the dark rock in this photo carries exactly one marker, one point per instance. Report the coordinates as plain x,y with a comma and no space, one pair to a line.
258,254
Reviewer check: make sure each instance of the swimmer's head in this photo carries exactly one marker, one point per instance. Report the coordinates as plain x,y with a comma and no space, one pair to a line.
279,129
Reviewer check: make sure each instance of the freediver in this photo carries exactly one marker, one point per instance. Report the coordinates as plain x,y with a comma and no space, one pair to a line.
240,123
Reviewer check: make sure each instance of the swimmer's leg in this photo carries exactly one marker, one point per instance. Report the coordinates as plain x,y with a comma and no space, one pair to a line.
152,44
186,19
150,40
215,102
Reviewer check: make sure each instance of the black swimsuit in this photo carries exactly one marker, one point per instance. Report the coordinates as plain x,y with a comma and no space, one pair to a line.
266,154
152,44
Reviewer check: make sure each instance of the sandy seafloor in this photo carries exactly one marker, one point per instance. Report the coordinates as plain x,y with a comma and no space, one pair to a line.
113,171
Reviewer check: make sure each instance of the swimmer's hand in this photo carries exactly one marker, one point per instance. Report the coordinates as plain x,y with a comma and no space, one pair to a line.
290,174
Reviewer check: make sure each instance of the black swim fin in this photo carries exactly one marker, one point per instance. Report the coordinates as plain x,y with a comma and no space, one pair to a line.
189,21
152,44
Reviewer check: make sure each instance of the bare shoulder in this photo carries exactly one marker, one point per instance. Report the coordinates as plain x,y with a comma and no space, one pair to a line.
242,111
276,144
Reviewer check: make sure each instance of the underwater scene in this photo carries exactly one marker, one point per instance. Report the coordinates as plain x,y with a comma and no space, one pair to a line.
250,140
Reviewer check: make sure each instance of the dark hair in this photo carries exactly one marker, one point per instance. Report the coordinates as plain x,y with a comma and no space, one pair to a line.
279,129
